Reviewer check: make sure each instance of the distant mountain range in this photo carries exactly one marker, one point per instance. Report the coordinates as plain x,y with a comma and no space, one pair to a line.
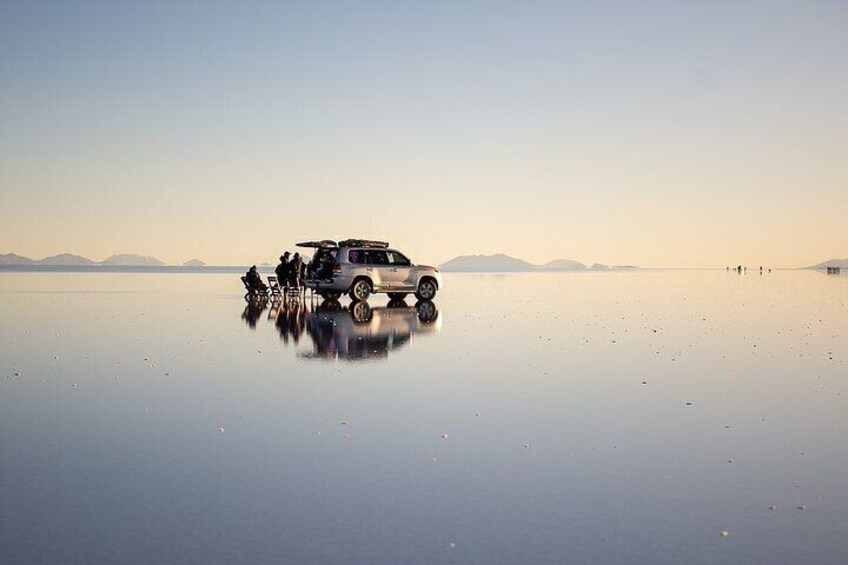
68,260
500,263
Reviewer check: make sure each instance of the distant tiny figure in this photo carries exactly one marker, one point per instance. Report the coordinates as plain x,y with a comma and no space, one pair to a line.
254,279
282,270
739,269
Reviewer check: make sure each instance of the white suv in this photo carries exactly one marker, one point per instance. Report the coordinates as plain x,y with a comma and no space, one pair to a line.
361,267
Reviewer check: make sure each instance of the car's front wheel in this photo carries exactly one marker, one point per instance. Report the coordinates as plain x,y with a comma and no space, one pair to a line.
426,290
360,290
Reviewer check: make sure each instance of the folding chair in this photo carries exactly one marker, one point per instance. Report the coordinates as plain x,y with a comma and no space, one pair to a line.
274,287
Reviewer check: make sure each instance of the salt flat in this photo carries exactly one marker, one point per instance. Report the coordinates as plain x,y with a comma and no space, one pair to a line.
621,417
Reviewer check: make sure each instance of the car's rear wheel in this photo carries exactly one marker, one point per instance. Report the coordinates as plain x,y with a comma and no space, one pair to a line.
397,295
360,290
426,290
360,312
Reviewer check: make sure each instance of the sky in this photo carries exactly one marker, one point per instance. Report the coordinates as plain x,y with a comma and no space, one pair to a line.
665,134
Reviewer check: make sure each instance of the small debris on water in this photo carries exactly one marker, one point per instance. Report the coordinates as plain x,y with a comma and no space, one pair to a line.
444,436
221,429
688,403
724,533
344,422
526,446
801,507
452,545
644,382
772,507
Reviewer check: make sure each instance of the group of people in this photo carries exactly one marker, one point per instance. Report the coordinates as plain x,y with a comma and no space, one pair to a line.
290,273
292,270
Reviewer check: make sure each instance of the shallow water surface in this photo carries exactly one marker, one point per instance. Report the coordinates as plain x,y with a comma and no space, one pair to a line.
621,417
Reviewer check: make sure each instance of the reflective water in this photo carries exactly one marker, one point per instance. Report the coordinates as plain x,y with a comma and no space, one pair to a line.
645,417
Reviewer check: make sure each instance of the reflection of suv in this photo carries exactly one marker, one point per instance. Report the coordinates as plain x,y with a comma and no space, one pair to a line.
361,332
361,267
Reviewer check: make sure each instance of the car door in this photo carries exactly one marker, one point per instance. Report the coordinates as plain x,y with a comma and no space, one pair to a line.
400,270
379,270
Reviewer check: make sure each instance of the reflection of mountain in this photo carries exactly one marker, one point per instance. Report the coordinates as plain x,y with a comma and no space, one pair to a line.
129,259
487,263
70,260
15,259
66,259
364,332
564,265
501,263
841,263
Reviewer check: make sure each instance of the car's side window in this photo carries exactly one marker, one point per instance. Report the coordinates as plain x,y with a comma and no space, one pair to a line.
356,256
396,258
377,257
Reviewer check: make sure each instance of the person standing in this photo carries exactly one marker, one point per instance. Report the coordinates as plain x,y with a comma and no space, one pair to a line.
294,270
282,270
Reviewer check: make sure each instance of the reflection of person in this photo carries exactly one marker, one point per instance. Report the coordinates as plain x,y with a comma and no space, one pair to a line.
291,321
253,310
282,270
254,279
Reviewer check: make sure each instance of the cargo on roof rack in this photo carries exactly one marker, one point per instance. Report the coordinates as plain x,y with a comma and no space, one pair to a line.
363,243
330,244
323,244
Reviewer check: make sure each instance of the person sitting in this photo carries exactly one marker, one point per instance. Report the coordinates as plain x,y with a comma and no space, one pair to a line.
282,270
322,264
254,279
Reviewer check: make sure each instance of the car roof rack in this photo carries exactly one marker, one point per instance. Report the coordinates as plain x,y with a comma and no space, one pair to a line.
363,243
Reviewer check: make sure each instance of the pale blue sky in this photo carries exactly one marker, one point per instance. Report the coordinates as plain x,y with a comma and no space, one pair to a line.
657,133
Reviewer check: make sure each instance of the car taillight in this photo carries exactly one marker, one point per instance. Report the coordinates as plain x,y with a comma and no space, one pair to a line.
337,268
